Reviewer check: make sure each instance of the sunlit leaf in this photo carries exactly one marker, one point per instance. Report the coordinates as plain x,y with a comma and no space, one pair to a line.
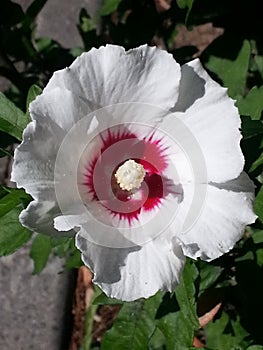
252,104
109,6
185,3
233,73
43,44
87,24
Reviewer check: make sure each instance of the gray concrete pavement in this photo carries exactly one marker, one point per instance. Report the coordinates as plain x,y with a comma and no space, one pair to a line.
58,19
34,310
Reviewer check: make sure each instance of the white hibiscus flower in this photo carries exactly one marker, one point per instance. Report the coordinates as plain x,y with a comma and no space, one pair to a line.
140,157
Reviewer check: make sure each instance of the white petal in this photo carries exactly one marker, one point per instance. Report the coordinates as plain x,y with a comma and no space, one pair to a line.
241,184
184,151
39,215
62,106
213,120
34,159
109,75
222,219
136,272
33,169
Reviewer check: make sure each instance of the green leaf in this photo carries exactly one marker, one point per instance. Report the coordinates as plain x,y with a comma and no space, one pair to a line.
185,3
257,236
255,251
157,341
259,257
259,62
43,44
258,204
251,128
87,24
208,275
233,73
33,92
63,246
179,324
257,163
206,348
39,252
252,104
76,51
12,119
226,334
109,6
134,325
185,293
170,40
12,234
3,191
89,319
74,261
12,198
102,299
255,347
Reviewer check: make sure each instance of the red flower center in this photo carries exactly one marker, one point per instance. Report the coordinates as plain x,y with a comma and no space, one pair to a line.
117,145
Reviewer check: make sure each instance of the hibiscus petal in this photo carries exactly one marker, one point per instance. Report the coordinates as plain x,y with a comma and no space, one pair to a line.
110,75
62,106
135,272
34,159
213,120
39,214
225,211
33,169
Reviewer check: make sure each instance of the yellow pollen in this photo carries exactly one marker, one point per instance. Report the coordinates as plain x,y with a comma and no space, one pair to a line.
130,175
